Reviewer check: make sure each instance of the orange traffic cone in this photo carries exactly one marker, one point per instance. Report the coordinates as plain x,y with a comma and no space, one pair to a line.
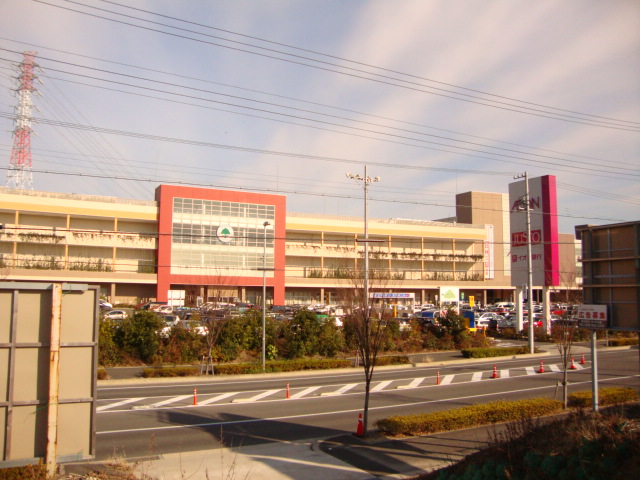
541,367
573,365
438,378
287,397
195,396
582,362
495,372
360,428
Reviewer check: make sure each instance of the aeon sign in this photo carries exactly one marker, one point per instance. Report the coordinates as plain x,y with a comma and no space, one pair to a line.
544,232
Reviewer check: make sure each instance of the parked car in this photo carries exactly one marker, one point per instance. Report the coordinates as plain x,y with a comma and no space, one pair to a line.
115,315
104,305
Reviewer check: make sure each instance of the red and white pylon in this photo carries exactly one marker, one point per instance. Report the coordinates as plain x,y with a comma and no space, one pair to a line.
195,396
495,372
287,397
582,362
541,367
438,378
573,365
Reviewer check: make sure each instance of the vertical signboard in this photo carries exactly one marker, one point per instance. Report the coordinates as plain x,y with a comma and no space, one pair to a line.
48,362
542,234
489,263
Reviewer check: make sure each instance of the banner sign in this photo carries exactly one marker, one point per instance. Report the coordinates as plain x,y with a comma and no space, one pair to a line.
592,316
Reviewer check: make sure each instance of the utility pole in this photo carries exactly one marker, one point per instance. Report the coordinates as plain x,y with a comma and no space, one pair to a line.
525,204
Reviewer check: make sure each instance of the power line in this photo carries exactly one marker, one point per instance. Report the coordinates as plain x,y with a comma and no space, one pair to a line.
496,104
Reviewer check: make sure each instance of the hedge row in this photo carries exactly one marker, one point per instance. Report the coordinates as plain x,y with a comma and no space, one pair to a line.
622,341
157,372
282,366
392,360
494,352
606,396
467,417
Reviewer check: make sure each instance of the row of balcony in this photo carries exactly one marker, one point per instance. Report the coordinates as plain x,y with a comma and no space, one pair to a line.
351,252
344,273
130,240
80,264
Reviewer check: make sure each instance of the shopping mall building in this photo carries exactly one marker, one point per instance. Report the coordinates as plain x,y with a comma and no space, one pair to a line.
198,244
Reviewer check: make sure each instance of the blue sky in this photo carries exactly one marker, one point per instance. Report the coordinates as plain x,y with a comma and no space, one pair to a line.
285,96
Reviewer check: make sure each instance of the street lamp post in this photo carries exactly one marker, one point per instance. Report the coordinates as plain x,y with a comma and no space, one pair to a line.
366,180
264,295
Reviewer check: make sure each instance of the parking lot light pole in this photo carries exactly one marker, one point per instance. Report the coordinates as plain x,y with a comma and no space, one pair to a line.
264,295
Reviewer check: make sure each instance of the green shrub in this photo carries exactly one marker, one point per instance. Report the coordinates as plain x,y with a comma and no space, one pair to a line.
156,372
138,337
466,417
102,374
606,396
494,352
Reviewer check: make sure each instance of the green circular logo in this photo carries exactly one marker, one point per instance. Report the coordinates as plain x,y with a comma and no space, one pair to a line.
224,233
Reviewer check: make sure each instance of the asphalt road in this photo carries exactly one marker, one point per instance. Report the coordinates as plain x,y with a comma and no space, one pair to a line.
143,420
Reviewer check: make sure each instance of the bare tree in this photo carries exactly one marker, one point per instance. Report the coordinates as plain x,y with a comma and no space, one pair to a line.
368,325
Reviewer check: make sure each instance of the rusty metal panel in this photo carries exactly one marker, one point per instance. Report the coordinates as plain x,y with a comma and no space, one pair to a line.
48,363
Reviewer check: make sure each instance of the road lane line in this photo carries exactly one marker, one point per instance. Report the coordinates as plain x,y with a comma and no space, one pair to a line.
381,386
304,392
118,404
414,383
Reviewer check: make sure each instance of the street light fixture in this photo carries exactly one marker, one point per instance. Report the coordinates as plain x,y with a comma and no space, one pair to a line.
264,294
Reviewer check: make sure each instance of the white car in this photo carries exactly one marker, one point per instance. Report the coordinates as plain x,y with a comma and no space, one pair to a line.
116,315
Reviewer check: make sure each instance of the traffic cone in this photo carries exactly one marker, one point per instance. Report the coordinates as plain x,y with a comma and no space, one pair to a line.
438,378
195,396
582,362
495,372
541,367
287,397
573,365
360,428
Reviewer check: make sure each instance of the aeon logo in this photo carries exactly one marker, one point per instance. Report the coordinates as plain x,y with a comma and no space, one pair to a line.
533,204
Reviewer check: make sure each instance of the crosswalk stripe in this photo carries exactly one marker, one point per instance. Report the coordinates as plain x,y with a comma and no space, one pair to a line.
477,376
381,386
255,398
340,391
414,383
504,373
170,400
555,368
304,392
118,404
530,371
222,396
447,380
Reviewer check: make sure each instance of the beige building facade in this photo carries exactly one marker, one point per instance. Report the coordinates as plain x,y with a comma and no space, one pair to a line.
117,243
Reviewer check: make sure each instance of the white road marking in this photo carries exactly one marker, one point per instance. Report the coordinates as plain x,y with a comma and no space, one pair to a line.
304,392
381,386
255,398
447,380
222,396
555,368
340,391
477,376
118,404
414,383
170,400
504,373
530,371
